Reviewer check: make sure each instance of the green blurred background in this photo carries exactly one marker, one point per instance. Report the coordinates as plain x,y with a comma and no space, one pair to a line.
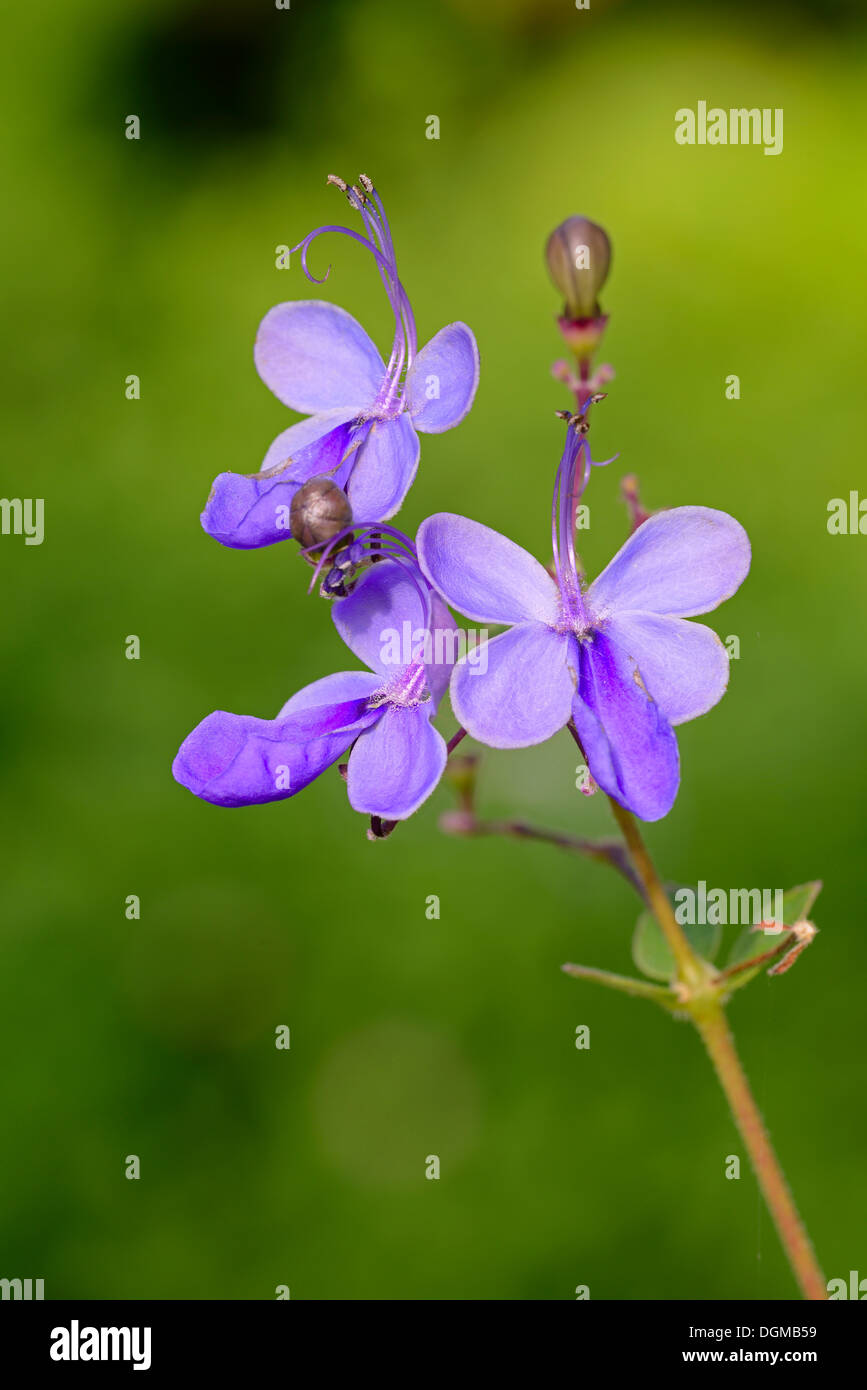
410,1037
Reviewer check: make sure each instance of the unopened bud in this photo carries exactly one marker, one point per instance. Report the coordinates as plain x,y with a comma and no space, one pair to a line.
578,254
320,511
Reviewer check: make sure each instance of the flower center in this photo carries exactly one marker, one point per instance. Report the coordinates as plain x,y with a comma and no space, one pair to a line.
406,689
574,619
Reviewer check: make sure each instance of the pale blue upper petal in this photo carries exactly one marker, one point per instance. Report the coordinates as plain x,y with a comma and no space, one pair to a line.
442,381
483,574
679,562
684,665
315,356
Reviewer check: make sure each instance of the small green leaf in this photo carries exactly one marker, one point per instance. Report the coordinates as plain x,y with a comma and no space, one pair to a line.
651,953
650,949
797,903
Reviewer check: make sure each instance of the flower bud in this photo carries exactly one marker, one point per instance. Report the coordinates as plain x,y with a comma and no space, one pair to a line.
320,511
578,254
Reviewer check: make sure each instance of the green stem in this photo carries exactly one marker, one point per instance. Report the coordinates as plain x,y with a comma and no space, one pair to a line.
688,967
701,999
716,1036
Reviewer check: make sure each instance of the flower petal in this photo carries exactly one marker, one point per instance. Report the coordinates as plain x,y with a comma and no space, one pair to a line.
630,746
314,356
383,622
248,510
483,574
440,659
291,443
679,562
442,381
383,470
517,689
332,690
684,666
238,760
395,765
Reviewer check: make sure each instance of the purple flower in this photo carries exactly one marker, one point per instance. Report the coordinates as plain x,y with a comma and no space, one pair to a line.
618,659
364,414
383,714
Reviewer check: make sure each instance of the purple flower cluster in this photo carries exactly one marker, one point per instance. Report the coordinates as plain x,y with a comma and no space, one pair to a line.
616,660
364,415
360,444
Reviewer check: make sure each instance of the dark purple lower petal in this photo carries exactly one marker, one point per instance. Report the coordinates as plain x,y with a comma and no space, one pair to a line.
630,746
239,760
248,510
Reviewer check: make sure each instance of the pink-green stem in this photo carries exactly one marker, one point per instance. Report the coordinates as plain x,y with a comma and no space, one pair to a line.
702,1000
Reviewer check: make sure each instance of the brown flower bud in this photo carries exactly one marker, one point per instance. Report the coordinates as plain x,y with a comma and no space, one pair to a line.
578,254
320,510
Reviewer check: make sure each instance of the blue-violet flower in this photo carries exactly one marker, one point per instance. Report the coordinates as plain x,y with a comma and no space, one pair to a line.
364,414
617,659
383,714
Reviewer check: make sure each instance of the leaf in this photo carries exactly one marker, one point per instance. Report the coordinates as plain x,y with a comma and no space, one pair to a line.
797,903
651,952
639,989
650,949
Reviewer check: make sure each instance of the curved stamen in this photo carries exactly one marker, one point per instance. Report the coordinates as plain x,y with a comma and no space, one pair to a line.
367,203
396,547
392,288
386,241
568,488
304,245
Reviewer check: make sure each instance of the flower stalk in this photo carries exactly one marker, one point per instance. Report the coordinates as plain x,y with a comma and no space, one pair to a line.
710,1020
700,994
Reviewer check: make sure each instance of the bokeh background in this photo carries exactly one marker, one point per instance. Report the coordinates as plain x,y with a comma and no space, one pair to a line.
410,1037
